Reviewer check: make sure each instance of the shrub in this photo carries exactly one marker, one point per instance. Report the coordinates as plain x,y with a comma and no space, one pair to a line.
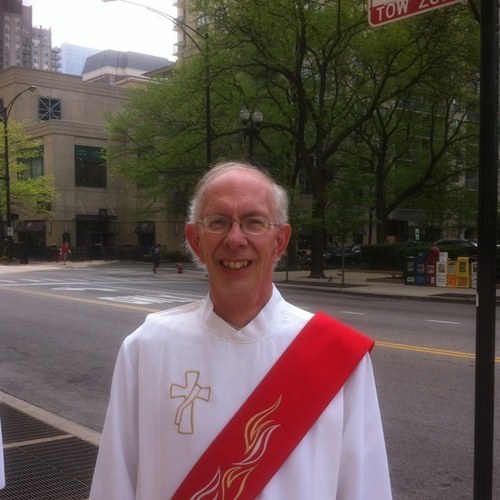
390,256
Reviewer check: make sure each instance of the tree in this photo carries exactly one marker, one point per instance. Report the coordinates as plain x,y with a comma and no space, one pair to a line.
31,192
421,141
318,73
326,73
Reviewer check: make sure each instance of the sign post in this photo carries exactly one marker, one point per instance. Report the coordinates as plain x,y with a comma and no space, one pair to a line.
387,11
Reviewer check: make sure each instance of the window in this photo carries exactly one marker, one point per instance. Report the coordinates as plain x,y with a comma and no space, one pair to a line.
90,167
49,108
33,164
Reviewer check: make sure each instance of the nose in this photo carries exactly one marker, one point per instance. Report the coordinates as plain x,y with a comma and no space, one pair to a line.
235,236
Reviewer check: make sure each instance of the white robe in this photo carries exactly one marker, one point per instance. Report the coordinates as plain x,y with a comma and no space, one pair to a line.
145,455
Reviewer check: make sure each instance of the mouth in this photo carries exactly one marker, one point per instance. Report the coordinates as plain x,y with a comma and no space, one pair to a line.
235,264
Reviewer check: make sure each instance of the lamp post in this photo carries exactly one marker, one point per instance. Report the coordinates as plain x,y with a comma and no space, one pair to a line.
251,127
191,33
5,119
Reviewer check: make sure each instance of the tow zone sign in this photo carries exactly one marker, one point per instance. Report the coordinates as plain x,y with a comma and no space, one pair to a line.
386,11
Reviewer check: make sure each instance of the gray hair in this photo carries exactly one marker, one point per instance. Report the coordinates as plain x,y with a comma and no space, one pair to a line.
279,195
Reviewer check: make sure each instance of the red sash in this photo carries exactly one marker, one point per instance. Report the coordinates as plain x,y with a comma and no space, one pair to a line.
278,414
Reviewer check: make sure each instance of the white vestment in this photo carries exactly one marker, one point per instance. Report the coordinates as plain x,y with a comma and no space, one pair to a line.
182,375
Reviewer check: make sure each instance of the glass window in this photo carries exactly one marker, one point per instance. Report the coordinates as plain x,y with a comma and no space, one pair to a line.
49,108
33,164
90,167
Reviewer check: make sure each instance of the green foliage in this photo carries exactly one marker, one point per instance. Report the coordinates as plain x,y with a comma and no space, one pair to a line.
29,195
331,90
347,205
390,256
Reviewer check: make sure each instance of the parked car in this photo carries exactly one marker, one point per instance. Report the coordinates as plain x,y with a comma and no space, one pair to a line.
335,255
457,247
356,249
455,242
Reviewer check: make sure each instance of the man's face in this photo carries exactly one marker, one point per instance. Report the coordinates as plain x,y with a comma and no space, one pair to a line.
239,263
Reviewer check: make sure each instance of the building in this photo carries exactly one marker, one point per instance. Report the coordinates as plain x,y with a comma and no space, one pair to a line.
189,27
22,44
73,58
113,67
94,209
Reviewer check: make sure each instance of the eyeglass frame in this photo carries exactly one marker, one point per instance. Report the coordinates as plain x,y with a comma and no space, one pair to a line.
240,222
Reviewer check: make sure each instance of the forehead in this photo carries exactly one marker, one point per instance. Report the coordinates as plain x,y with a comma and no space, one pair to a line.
238,189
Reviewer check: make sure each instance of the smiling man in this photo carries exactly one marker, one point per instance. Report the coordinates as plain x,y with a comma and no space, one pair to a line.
242,395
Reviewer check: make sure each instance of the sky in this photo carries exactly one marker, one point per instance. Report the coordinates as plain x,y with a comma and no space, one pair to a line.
108,25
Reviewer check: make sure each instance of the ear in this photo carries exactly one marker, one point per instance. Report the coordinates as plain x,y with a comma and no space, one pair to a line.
282,238
191,232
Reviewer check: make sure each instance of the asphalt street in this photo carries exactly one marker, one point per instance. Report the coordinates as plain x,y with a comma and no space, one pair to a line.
62,327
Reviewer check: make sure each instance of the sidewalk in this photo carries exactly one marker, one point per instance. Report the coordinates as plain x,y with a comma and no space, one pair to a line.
379,283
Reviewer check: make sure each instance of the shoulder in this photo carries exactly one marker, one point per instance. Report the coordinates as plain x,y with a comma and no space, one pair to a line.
164,324
287,311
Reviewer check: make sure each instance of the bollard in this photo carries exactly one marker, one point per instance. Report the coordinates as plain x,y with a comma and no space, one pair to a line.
180,268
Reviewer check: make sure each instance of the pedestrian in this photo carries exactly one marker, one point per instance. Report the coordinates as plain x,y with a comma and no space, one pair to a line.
64,251
241,394
155,257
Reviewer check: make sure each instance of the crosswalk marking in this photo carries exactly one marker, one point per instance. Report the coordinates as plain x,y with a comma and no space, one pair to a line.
152,299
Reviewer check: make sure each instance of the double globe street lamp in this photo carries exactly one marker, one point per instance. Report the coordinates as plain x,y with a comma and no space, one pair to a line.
5,114
191,33
251,128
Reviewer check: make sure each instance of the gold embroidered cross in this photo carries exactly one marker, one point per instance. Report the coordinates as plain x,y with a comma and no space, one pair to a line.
190,392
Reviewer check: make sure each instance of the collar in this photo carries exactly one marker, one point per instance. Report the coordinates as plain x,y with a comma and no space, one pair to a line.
260,327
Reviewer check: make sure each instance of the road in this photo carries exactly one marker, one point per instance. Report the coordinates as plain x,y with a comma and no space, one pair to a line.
61,330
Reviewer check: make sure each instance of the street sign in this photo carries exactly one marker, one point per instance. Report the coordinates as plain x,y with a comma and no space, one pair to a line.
386,11
10,231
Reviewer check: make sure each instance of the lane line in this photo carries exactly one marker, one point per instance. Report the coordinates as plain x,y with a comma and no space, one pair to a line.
443,322
429,350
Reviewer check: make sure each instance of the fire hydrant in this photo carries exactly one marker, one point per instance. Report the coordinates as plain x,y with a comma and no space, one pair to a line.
180,268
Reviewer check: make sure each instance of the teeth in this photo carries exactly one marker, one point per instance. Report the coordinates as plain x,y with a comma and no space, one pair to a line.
236,264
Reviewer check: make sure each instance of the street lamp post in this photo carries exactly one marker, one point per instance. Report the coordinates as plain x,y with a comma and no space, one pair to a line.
191,33
251,128
8,213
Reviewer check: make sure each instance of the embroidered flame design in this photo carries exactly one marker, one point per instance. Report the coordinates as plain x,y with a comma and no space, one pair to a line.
231,483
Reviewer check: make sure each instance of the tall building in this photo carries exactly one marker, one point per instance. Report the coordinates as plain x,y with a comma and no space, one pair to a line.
73,58
21,43
187,26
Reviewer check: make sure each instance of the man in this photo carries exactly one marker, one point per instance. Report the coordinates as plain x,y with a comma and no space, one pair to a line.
183,375
155,257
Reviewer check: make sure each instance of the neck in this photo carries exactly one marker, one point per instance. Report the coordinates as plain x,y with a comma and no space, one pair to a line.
238,310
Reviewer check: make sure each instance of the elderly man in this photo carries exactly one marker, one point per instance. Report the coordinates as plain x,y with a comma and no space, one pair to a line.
242,395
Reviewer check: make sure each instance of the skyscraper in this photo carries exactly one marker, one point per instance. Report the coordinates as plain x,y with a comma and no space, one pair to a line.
21,43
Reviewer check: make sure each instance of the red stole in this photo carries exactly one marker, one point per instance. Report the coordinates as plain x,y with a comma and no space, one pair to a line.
278,414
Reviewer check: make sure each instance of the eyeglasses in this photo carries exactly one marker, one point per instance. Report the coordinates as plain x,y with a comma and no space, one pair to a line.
253,224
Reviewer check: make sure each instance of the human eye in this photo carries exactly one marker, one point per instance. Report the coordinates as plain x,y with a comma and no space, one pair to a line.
216,223
255,224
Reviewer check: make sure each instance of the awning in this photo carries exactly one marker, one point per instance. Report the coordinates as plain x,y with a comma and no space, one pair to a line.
94,217
145,228
35,226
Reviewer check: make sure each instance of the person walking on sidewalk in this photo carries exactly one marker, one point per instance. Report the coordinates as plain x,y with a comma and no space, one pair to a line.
64,251
241,394
155,257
